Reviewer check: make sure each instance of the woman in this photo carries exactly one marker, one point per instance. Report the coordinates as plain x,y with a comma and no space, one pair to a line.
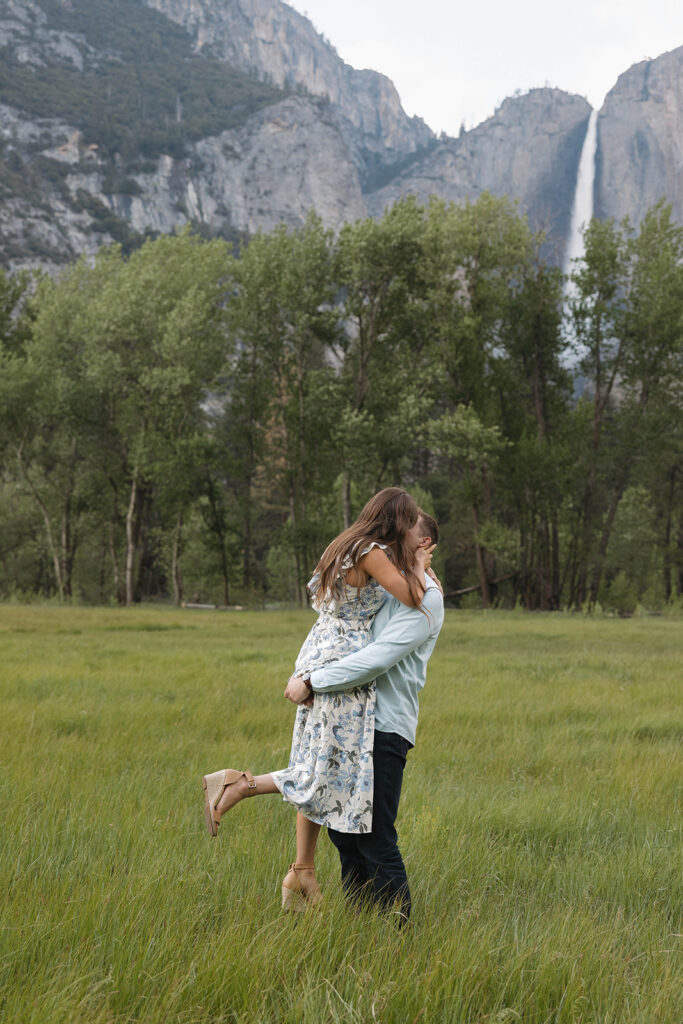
329,777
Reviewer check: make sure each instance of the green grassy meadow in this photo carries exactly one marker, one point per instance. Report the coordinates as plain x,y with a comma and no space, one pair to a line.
539,824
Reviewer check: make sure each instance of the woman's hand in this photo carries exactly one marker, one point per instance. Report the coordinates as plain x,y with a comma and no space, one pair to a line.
298,691
423,558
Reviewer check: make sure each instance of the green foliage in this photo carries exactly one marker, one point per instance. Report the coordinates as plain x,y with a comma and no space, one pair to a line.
626,311
106,222
502,542
621,595
182,420
460,434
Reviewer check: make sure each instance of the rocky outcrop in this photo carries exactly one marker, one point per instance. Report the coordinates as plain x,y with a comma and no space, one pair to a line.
39,229
640,140
24,26
271,40
528,150
339,142
286,161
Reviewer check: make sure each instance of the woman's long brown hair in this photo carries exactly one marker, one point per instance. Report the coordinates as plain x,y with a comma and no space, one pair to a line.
386,518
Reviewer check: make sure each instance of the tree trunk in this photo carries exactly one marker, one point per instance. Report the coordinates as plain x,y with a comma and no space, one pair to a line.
544,572
120,594
246,521
602,548
130,541
584,547
68,534
144,564
489,558
224,574
66,556
529,554
571,569
481,562
176,571
54,552
346,498
246,530
299,590
556,586
524,570
591,485
667,561
218,527
103,562
303,478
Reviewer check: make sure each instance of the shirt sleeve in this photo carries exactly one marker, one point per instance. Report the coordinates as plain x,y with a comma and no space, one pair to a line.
406,630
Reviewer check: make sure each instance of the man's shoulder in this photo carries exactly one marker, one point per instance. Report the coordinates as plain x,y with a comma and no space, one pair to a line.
433,594
432,602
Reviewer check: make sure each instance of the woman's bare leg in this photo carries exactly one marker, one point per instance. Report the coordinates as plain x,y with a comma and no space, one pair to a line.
307,833
301,877
300,881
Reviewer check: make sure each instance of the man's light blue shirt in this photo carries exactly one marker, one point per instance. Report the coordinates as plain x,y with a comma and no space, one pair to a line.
403,640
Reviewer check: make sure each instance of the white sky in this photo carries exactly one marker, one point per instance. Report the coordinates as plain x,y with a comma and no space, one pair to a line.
454,62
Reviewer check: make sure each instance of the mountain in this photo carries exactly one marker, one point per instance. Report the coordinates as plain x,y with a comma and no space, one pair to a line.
273,42
124,117
529,149
640,140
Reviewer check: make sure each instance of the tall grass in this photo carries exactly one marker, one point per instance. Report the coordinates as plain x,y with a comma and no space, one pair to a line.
538,822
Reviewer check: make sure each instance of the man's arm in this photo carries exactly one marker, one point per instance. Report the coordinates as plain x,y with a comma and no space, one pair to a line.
406,630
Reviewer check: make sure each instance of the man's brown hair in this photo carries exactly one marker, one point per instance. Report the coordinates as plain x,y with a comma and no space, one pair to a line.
431,528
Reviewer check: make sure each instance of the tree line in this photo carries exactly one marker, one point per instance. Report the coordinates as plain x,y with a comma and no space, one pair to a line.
192,422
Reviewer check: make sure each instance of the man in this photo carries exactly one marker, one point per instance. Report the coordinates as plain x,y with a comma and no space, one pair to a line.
403,640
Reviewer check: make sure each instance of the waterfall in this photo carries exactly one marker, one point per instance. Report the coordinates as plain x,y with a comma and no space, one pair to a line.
582,210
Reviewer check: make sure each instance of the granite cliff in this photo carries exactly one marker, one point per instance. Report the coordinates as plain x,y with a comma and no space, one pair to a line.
271,40
124,117
640,140
528,150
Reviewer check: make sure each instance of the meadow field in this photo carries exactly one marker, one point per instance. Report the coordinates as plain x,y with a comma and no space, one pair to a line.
539,823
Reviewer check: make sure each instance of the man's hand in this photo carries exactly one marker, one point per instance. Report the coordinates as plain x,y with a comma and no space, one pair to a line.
298,691
432,575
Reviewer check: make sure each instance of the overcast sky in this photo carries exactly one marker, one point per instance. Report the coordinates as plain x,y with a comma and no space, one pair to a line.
453,62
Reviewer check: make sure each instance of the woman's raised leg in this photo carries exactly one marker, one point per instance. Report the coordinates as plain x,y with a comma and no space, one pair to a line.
236,791
224,789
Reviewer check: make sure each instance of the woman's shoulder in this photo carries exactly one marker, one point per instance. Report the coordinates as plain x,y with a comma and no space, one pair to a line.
373,544
360,550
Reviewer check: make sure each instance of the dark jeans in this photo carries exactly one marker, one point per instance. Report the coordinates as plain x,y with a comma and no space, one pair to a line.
372,868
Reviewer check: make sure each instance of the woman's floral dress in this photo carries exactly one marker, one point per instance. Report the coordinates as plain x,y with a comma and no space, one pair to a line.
330,777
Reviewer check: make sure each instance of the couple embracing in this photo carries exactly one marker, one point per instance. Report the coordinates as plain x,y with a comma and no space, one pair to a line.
356,683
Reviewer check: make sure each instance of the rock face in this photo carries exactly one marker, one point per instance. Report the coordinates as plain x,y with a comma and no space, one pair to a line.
270,39
24,26
35,232
528,150
335,139
284,162
61,196
640,140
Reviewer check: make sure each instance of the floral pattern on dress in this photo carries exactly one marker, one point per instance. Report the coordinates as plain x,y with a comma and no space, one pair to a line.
330,773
